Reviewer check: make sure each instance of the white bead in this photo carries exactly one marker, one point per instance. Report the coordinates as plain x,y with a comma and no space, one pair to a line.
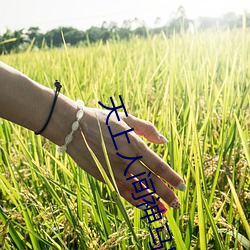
69,138
75,126
79,114
80,103
62,149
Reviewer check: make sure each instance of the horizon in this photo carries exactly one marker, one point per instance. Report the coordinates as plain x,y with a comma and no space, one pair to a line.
30,14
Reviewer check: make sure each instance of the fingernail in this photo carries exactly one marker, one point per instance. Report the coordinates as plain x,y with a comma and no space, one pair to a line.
175,204
162,207
182,186
142,207
163,138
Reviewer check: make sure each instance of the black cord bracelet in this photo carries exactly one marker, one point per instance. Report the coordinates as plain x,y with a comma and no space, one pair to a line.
58,87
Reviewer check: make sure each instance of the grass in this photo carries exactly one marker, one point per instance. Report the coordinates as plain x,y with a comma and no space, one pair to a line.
195,89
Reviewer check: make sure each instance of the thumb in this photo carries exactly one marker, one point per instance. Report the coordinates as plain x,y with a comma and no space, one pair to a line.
145,128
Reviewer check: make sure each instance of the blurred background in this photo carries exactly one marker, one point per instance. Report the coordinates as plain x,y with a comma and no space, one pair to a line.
85,22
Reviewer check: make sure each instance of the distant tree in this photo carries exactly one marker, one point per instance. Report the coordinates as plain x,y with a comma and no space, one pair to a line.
113,27
124,33
74,36
248,19
207,23
54,37
105,35
136,23
157,22
239,21
94,34
105,25
127,24
179,25
181,13
34,33
180,22
71,35
7,41
229,20
141,31
13,41
19,40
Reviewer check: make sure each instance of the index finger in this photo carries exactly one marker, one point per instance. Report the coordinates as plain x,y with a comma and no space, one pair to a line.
151,159
145,128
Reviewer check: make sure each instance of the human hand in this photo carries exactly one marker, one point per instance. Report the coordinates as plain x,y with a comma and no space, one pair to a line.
21,98
150,162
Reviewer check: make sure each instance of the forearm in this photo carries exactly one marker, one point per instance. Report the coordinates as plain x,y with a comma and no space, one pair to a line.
27,103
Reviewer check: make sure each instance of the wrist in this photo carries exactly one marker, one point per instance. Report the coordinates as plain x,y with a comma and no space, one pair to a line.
61,121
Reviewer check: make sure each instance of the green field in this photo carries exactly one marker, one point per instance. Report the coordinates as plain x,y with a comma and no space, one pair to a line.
194,88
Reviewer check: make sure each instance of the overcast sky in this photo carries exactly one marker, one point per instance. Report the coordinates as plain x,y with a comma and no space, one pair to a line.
82,14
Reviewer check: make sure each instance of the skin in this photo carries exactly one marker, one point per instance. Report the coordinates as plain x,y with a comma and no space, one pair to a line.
28,103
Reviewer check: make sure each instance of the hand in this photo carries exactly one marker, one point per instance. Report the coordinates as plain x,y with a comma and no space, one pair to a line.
21,98
160,171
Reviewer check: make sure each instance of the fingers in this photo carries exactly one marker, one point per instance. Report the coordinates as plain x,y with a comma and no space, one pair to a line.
126,194
145,128
132,198
151,159
145,182
161,168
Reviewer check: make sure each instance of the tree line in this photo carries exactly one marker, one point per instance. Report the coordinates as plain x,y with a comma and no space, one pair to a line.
20,40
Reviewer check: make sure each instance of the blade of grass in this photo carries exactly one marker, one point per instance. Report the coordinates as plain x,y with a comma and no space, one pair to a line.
115,195
12,231
239,207
176,232
242,239
211,219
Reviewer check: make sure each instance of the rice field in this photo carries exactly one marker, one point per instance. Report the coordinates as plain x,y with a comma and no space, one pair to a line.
196,91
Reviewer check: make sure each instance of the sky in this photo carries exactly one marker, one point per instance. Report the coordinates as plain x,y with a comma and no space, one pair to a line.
82,14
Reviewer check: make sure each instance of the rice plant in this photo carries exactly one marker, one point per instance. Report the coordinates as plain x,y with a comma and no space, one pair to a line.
194,88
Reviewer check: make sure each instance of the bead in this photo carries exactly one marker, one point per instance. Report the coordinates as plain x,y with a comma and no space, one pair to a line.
79,114
62,149
75,126
80,103
69,138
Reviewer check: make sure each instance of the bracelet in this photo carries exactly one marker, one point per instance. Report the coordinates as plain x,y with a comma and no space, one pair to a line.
74,127
58,87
